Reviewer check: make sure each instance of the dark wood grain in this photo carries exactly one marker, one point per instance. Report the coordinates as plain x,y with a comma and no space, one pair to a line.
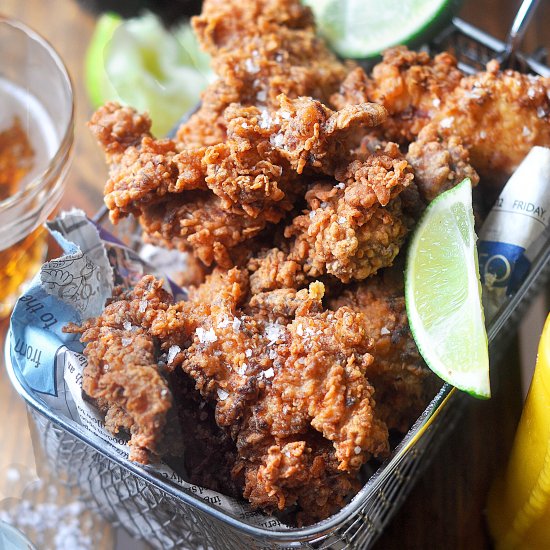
445,509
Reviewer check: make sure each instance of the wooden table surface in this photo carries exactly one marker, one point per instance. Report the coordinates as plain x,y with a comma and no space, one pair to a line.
445,509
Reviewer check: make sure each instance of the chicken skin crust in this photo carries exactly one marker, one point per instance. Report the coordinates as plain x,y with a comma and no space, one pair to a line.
410,85
498,116
213,199
286,379
260,49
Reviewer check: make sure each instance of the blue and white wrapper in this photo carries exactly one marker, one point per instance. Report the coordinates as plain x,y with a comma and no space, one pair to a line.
515,230
71,289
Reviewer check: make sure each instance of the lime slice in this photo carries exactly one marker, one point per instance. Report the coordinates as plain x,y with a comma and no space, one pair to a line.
443,293
98,85
364,28
139,63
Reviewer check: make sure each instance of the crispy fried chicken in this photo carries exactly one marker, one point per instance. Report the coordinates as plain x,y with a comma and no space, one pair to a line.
410,85
287,378
498,116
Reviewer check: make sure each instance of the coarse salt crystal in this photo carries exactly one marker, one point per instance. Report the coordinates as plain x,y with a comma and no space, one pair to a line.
272,354
324,204
384,331
222,394
300,330
172,352
269,373
526,132
357,450
261,95
236,324
242,369
273,332
312,214
287,454
436,102
284,114
483,134
341,220
447,122
340,185
541,112
531,93
127,325
206,336
142,306
126,341
164,392
277,140
244,125
251,67
265,120
225,322
248,353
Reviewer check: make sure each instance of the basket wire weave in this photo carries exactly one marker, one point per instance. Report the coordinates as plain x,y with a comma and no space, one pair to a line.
168,516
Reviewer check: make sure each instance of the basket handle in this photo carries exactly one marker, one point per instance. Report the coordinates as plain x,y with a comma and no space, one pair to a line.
517,30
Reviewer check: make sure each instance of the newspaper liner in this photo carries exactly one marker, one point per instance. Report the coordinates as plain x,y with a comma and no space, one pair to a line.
71,289
515,231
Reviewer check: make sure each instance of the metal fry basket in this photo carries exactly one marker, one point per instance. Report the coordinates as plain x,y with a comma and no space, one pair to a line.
168,516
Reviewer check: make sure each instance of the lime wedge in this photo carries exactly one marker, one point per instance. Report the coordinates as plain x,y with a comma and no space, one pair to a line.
364,28
98,85
139,63
443,293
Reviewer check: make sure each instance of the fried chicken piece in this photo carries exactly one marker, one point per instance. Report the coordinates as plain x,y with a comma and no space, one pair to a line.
288,380
302,474
402,382
352,229
315,136
272,269
223,25
246,358
116,128
499,116
214,198
260,49
439,164
203,225
410,85
304,132
123,376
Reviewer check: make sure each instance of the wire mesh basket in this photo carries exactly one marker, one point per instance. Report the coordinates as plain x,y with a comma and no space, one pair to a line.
169,516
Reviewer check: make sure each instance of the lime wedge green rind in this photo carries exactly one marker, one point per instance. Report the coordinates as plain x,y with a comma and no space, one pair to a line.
98,85
364,28
443,293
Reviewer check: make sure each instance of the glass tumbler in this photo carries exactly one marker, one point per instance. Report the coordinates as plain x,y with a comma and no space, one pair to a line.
36,137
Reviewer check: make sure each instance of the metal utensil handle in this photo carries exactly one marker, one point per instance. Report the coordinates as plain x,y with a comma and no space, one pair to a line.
519,26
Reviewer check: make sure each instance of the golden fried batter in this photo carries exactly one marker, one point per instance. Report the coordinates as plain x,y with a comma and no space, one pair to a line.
439,164
499,116
410,85
402,382
260,49
212,199
288,380
354,228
